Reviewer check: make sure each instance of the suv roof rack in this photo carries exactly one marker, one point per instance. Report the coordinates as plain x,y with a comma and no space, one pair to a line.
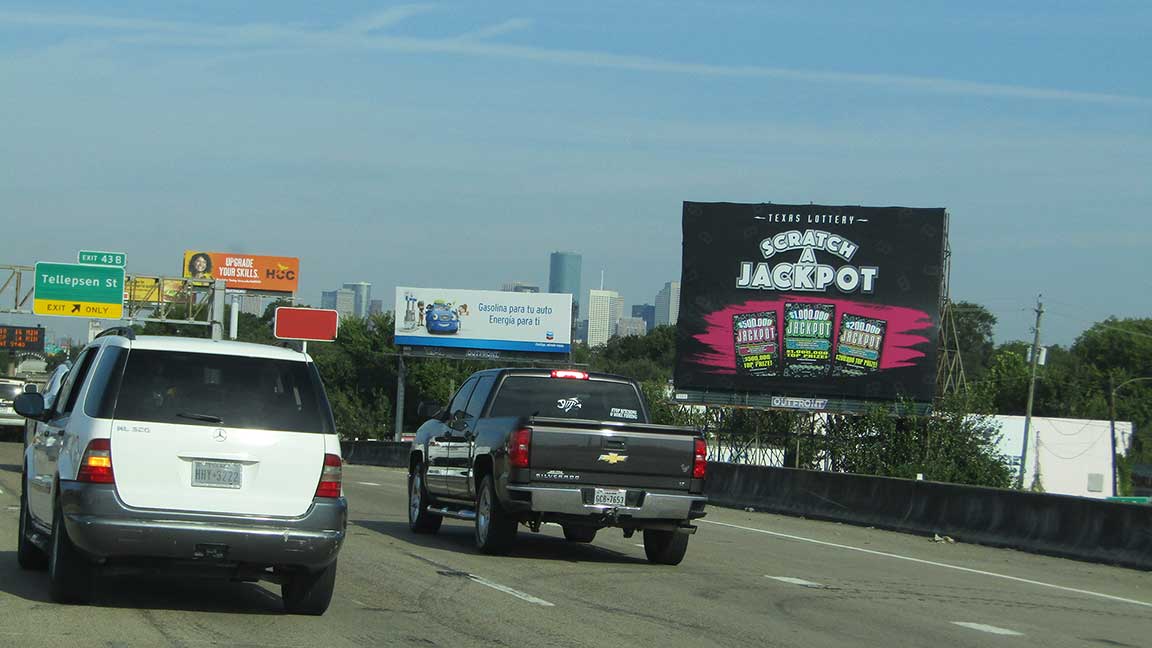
124,331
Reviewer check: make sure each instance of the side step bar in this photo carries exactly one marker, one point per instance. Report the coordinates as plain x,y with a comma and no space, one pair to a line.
452,513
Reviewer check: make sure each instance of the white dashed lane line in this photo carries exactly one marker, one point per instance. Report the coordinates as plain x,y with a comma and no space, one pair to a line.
508,590
368,483
989,629
796,581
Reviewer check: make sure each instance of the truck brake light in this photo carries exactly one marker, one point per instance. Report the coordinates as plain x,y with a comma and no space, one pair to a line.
96,464
519,447
331,478
568,373
700,461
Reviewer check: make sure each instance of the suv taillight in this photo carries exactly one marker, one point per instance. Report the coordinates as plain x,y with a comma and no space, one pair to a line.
331,478
519,446
700,461
96,464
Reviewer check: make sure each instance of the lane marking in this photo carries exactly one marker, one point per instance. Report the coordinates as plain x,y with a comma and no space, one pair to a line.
921,561
796,581
368,483
639,545
508,590
989,629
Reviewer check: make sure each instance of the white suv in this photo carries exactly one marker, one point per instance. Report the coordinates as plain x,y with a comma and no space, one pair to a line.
10,388
221,457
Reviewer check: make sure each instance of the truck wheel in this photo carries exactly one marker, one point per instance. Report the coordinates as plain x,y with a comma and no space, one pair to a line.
309,592
28,554
495,530
665,547
573,533
419,519
69,572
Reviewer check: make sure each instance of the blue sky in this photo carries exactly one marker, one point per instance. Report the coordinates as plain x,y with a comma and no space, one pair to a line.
457,143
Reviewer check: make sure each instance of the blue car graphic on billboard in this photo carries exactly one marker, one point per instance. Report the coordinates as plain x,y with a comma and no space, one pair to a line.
441,318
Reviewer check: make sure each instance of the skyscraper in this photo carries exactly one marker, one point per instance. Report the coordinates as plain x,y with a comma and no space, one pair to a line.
343,301
646,312
668,304
520,287
564,277
605,307
628,326
362,297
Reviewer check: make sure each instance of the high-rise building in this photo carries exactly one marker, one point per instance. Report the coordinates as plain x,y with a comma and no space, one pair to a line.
252,304
342,301
605,308
564,277
362,296
376,306
646,312
631,326
520,287
668,304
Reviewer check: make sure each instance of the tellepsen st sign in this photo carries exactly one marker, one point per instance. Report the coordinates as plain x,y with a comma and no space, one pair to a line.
76,290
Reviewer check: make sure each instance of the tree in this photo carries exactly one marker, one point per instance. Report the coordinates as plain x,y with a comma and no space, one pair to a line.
973,329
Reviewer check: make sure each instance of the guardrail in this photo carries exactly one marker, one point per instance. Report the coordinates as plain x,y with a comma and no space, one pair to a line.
1117,533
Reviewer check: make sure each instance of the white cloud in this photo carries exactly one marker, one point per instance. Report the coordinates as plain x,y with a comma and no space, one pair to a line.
360,34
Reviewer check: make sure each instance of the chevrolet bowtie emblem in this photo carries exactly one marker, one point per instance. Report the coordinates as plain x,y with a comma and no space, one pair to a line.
613,458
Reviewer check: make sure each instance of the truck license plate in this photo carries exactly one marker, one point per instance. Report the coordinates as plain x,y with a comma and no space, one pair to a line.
216,474
609,496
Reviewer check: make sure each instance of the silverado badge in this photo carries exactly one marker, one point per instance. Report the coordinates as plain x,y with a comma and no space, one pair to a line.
613,458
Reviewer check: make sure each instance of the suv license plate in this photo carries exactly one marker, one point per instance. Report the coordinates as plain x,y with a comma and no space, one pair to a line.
216,474
609,497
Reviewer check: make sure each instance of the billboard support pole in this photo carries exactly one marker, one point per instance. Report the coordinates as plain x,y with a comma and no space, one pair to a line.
218,309
401,375
234,318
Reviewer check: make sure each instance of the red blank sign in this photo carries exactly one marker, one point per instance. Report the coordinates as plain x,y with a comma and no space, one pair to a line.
315,324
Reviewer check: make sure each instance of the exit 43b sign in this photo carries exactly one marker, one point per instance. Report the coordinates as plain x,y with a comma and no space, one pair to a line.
75,290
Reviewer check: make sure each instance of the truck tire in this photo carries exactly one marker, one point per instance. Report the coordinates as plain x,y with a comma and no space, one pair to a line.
419,519
69,571
495,530
573,533
28,555
309,592
665,547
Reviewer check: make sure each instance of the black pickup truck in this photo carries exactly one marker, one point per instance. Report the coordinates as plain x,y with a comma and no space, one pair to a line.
529,446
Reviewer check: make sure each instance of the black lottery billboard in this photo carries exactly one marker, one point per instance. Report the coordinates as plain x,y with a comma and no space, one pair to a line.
810,301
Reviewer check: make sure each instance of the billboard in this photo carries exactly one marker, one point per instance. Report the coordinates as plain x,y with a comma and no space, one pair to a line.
803,303
244,271
484,320
154,290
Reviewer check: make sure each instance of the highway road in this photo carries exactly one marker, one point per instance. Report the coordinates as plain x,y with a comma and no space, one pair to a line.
750,579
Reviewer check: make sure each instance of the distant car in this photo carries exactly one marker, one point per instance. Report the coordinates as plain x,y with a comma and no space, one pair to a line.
215,458
10,388
440,318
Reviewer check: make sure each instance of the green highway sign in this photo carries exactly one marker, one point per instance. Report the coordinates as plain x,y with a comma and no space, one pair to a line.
116,259
76,290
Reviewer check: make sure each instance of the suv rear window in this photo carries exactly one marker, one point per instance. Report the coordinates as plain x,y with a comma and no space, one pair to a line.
223,390
567,398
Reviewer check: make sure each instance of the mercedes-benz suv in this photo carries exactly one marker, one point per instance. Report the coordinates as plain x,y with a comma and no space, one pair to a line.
221,457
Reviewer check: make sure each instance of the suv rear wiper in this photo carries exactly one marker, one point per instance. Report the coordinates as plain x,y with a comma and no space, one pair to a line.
207,418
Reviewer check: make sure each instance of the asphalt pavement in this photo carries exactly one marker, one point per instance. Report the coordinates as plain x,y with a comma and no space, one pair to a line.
749,579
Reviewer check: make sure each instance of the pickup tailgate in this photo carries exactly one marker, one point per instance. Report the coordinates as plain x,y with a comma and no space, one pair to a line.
574,451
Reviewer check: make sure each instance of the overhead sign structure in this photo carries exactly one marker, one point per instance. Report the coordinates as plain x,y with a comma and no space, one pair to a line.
806,306
483,320
114,259
244,271
309,324
78,290
22,338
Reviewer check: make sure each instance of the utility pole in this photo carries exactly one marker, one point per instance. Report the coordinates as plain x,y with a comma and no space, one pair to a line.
1031,395
398,406
1112,427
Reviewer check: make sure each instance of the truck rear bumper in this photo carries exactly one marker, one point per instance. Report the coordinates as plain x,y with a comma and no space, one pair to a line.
642,505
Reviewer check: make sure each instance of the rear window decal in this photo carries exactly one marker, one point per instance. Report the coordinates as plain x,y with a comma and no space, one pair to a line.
568,404
620,412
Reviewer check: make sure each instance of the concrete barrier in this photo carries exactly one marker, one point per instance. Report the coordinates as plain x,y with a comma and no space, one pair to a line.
1071,527
376,453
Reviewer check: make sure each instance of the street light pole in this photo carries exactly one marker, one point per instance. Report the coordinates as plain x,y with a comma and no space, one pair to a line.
1112,389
